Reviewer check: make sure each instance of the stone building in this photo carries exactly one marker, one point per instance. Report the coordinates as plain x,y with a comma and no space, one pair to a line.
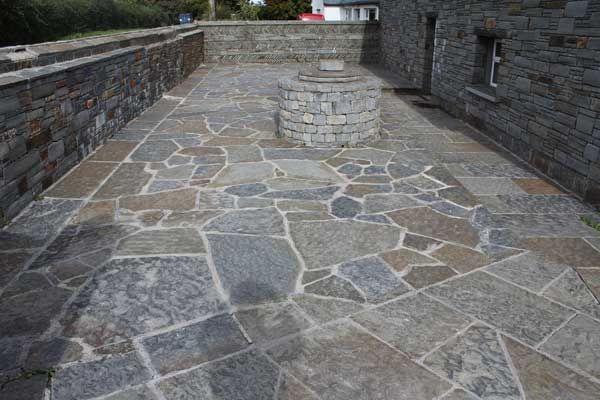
526,71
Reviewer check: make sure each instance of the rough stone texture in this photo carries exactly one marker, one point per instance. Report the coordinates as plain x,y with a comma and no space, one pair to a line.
272,322
166,241
324,310
267,221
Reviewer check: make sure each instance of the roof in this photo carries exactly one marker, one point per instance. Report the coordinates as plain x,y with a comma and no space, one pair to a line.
349,2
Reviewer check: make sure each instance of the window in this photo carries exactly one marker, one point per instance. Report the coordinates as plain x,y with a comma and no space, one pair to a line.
348,14
493,61
372,14
357,14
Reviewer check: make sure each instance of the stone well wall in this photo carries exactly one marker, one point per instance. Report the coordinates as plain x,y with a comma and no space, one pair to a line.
290,41
77,94
546,108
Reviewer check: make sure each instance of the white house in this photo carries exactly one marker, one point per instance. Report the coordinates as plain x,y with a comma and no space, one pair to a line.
347,10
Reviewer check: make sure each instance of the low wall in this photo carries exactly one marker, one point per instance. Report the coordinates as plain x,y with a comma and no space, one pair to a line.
53,115
290,41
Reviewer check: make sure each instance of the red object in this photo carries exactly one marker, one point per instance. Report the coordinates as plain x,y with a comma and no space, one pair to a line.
311,17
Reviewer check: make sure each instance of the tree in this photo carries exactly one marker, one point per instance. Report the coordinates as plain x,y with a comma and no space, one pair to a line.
213,10
285,9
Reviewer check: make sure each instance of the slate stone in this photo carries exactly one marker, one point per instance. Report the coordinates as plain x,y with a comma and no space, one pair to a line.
400,259
420,243
536,186
374,278
33,388
475,360
49,354
267,221
361,190
113,150
11,264
311,276
249,190
458,394
427,275
96,378
399,171
190,218
460,258
206,171
247,153
96,213
291,389
345,207
160,186
377,219
572,291
442,174
377,157
244,173
426,222
164,241
543,378
423,183
404,188
414,325
375,179
377,203
528,270
350,169
306,169
83,180
10,356
180,172
324,193
538,204
154,150
591,277
254,269
178,200
138,393
272,322
352,240
526,316
284,183
459,195
194,344
299,154
574,252
253,202
323,310
375,170
215,200
343,362
335,286
131,296
491,186
26,282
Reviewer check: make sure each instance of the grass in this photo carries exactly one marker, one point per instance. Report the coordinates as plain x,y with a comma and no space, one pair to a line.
591,222
81,35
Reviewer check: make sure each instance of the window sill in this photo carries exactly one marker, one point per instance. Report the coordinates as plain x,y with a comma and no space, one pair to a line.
485,92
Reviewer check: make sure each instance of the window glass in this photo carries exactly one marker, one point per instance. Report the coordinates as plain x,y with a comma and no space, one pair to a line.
372,14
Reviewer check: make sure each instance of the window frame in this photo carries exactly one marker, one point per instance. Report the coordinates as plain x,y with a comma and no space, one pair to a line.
494,61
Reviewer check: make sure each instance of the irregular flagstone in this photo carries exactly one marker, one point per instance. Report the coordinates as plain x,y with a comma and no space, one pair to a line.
248,190
308,216
352,240
291,389
96,213
154,150
420,243
244,173
32,312
427,275
49,354
128,179
138,393
324,193
323,310
306,169
164,241
577,344
190,218
426,222
350,169
271,322
442,174
536,186
229,141
180,172
113,150
491,186
476,361
311,276
451,209
526,316
388,202
178,200
459,195
528,270
201,151
254,269
11,264
591,277
26,282
377,179
160,186
377,157
399,171
343,362
299,154
294,184
345,207
131,296
402,258
423,183
414,325
215,200
459,394
266,221
374,278
301,205
194,344
93,379
460,258
206,171
253,202
83,180
360,190
33,388
247,153
10,355
539,204
335,286
543,378
245,376
574,252
572,291
375,218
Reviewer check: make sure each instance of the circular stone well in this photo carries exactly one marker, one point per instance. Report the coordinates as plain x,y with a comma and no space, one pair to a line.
329,106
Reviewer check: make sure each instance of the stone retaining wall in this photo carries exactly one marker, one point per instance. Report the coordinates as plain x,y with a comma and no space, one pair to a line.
290,41
52,116
546,107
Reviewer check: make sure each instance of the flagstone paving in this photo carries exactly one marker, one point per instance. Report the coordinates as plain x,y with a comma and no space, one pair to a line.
197,256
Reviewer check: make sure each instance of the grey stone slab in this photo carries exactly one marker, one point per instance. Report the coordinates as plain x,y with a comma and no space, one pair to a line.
299,154
374,278
246,376
96,378
194,344
206,171
253,202
83,180
291,389
163,241
246,153
26,282
345,207
190,218
543,379
215,200
131,296
324,193
128,179
33,388
577,344
350,169
522,314
334,286
352,240
376,203
267,221
307,169
254,269
399,171
49,354
179,172
377,157
414,325
536,204
528,270
11,264
138,393
572,291
160,186
284,183
491,186
236,174
495,170
427,275
343,362
476,361
323,310
272,322
377,219
248,190
154,150
177,200
459,394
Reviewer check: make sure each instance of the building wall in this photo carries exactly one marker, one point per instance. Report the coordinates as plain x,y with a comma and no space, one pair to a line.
546,107
52,116
333,13
290,41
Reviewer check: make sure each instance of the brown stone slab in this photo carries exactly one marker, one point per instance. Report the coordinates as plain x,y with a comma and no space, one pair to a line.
114,150
536,186
83,180
178,200
129,179
574,252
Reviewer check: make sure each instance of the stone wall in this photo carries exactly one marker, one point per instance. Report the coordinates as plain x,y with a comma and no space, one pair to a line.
547,103
290,41
52,116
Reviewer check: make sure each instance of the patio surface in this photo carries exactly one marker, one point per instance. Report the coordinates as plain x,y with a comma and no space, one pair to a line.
195,256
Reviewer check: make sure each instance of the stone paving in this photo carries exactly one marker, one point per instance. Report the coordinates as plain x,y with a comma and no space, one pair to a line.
196,256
